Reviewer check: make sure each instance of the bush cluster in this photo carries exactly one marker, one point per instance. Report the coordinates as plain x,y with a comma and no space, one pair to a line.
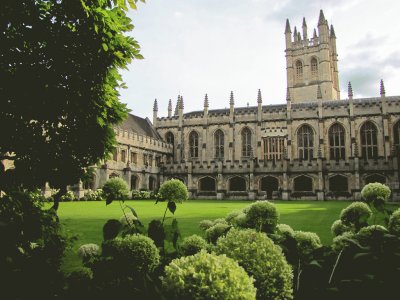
216,231
262,216
307,242
68,196
342,241
394,222
356,215
207,276
88,251
339,228
115,189
376,190
141,195
173,190
192,245
262,259
91,195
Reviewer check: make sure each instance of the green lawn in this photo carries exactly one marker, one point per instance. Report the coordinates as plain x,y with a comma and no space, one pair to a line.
86,219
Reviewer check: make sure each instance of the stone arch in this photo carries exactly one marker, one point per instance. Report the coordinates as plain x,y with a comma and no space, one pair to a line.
375,178
269,184
207,184
113,175
369,139
305,135
338,183
237,184
152,183
134,182
177,177
303,183
193,142
337,141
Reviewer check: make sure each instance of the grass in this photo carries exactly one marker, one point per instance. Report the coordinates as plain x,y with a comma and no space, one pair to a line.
85,220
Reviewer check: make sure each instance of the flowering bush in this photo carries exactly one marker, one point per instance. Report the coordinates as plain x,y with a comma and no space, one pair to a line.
285,230
140,195
137,253
369,232
88,251
192,244
262,259
356,215
342,241
394,222
339,228
374,191
262,216
215,231
232,216
205,224
307,242
69,196
207,276
91,195
128,219
174,190
115,189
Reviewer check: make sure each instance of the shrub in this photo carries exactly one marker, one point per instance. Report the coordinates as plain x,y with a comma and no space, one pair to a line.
135,252
342,241
91,195
88,251
111,229
369,232
394,222
215,231
115,189
156,232
205,224
173,190
376,190
262,259
68,196
356,215
207,276
240,220
140,195
262,216
128,219
284,230
220,221
192,244
80,279
307,242
232,216
339,228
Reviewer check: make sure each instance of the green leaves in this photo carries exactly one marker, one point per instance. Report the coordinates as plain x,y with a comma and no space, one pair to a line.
171,206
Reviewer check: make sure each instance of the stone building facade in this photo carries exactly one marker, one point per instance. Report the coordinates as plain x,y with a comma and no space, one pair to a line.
315,146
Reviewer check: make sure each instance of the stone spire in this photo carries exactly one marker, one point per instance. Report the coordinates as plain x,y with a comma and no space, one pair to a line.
181,106
155,105
287,28
304,26
259,99
332,34
321,19
231,100
295,35
319,93
350,91
382,88
206,101
169,108
177,105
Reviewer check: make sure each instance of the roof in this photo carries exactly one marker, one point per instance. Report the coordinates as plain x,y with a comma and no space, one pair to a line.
140,126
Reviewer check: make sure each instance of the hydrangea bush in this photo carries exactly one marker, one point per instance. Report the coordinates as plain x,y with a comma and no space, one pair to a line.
356,215
342,241
262,216
115,189
394,222
307,242
216,231
192,245
207,276
88,251
375,190
339,228
262,259
91,195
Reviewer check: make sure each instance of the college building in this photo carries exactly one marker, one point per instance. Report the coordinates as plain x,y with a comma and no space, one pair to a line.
314,146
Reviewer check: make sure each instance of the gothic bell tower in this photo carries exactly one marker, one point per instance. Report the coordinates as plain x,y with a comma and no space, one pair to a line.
312,62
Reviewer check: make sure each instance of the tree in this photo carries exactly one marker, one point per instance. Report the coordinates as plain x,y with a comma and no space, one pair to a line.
59,62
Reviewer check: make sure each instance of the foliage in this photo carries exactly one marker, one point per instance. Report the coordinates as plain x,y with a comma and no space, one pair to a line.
339,228
284,229
356,215
369,232
137,253
68,196
374,191
394,222
111,229
88,251
216,231
173,191
230,218
307,242
262,259
67,56
205,224
91,195
128,219
115,189
32,240
342,241
156,232
207,276
141,195
262,216
79,283
192,244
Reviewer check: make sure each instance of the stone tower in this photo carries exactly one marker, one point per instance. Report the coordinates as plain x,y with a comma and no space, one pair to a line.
312,62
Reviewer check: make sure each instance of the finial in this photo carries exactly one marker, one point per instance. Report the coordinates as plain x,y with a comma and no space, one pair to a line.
287,29
349,90
170,105
259,99
231,100
287,94
155,105
333,35
315,34
295,36
319,93
321,19
298,36
304,22
177,105
382,88
181,106
206,101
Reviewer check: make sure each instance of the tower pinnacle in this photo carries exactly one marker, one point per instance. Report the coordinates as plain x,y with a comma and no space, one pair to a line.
231,100
321,19
382,88
349,91
259,99
206,101
155,105
287,28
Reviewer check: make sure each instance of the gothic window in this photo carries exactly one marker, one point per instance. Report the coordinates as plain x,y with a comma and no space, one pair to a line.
237,184
115,154
305,142
194,144
169,137
207,184
133,157
375,178
299,70
314,68
219,144
246,142
123,155
396,138
336,142
303,184
338,183
369,140
274,148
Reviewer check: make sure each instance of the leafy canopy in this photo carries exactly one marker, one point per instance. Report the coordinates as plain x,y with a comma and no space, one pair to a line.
59,86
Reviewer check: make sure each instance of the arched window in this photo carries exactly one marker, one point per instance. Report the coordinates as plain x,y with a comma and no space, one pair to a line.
305,142
336,142
314,68
375,178
133,182
219,144
396,136
237,184
338,183
303,184
269,184
169,137
194,144
246,142
299,70
207,184
369,140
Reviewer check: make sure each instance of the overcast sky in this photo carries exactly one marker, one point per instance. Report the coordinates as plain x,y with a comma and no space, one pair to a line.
194,47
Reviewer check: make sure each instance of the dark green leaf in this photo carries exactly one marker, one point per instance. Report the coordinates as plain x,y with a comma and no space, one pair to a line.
171,206
132,210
